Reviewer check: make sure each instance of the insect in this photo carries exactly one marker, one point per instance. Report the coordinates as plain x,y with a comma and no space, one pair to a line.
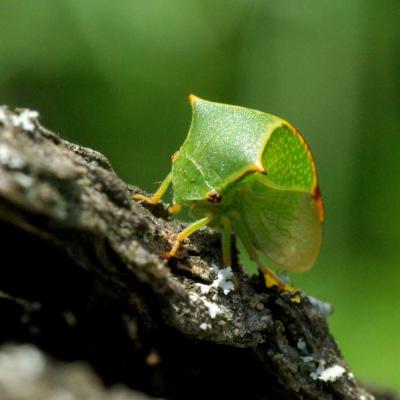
250,174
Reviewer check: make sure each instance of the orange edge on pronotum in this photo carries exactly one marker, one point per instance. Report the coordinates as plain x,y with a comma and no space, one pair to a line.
175,156
192,98
320,204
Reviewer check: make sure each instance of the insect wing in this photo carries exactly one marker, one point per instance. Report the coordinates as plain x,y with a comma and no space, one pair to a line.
282,224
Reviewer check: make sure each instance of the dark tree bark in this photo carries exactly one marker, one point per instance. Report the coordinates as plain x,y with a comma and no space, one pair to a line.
83,277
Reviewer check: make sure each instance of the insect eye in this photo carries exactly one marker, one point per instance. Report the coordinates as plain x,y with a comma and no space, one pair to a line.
213,197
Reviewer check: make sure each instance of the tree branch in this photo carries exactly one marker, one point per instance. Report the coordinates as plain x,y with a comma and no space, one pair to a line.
83,277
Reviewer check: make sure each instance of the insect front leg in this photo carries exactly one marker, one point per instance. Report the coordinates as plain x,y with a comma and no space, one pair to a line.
158,194
187,232
227,248
270,277
226,242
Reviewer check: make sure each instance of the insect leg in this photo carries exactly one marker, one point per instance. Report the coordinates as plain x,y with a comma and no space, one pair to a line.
270,278
158,194
187,232
226,242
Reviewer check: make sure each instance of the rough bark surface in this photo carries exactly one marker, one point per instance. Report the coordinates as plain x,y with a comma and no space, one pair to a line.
27,374
83,278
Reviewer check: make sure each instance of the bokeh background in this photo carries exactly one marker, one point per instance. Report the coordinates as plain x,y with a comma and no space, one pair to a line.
115,76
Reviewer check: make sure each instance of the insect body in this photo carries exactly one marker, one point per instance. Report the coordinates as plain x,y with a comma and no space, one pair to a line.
250,174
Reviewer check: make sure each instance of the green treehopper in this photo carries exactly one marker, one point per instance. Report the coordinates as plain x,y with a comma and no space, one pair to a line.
250,174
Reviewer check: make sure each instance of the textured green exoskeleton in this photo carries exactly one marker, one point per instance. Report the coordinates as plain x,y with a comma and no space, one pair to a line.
250,174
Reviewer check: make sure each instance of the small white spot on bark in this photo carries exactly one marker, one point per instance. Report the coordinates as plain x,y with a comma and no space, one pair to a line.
10,158
20,364
330,374
223,280
3,116
24,180
213,309
333,373
366,397
204,289
301,344
25,119
205,326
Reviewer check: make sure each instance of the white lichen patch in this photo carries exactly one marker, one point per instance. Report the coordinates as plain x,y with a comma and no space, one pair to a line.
213,309
205,326
20,364
301,345
25,120
204,289
3,116
10,158
366,397
330,374
323,307
23,180
223,281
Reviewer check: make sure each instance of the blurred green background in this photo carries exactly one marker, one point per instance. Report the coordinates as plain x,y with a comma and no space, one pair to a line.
115,76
